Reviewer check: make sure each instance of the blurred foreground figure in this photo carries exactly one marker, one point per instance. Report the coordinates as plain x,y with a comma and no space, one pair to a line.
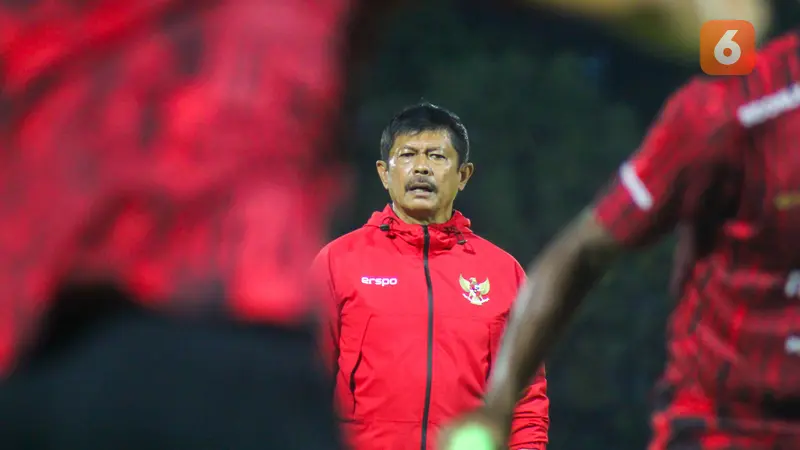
720,163
164,155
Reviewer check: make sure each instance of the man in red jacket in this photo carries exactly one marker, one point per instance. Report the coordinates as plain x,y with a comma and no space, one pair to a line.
420,301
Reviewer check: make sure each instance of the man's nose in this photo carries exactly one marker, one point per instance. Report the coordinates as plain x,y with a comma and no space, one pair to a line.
421,166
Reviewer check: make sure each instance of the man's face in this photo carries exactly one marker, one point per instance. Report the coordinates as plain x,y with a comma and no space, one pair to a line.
423,175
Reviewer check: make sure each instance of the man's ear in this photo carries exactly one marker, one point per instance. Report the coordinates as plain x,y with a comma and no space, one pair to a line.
465,172
383,172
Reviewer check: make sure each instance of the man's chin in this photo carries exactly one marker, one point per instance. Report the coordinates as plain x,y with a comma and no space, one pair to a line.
422,203
419,205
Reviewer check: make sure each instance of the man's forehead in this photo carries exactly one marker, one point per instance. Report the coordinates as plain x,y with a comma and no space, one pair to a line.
424,140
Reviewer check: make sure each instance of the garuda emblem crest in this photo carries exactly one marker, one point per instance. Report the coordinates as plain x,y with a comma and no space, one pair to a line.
474,292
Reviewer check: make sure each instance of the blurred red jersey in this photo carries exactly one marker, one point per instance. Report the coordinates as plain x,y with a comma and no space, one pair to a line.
171,147
724,159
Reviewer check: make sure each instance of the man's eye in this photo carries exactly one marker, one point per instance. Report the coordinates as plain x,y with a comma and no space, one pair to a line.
406,155
437,156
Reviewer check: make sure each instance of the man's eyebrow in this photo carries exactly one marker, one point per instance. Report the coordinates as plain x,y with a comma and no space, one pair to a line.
429,148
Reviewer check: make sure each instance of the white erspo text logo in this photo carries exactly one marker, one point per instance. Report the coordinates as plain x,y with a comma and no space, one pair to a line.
379,281
770,106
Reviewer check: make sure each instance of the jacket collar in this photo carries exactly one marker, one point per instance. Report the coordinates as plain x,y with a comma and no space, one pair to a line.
443,236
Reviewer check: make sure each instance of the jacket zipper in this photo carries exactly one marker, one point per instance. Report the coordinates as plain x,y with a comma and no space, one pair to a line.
429,377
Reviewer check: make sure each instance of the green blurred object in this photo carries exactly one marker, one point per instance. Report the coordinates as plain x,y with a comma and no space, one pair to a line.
472,437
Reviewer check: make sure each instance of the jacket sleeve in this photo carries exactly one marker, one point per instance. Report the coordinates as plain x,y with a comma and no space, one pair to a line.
529,427
323,288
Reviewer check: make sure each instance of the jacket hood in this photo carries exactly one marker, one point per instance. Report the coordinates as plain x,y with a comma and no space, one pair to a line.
443,236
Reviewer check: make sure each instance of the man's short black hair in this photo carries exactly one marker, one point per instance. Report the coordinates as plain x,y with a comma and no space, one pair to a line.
426,117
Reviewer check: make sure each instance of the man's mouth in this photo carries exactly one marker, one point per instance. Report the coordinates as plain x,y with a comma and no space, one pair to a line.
421,188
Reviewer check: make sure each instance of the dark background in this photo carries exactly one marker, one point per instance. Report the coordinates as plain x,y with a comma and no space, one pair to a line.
552,107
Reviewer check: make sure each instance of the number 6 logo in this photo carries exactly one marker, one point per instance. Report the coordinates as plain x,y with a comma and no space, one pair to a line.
727,47
727,51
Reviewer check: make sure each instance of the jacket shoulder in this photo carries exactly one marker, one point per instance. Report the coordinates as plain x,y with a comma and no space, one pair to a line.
338,253
493,252
349,242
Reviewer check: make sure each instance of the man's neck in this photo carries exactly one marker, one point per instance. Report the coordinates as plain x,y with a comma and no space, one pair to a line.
440,216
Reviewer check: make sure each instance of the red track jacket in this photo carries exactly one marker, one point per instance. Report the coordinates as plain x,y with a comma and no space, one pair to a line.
419,312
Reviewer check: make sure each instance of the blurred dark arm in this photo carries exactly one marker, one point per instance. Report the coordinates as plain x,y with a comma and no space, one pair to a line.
558,281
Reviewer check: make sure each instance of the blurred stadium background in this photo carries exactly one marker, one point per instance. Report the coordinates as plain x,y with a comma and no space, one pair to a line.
550,116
